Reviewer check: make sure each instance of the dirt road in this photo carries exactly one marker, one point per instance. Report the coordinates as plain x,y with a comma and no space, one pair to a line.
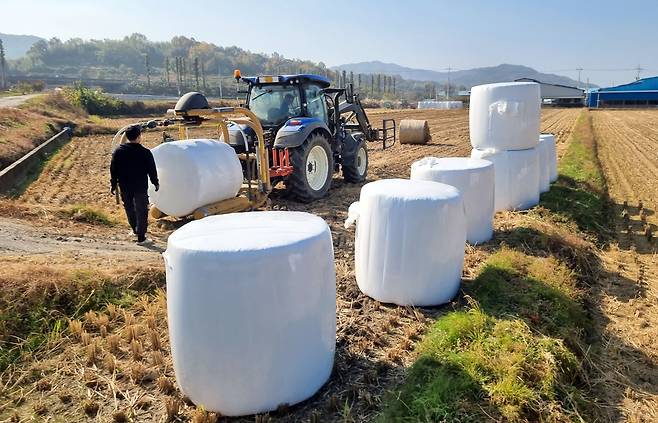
16,100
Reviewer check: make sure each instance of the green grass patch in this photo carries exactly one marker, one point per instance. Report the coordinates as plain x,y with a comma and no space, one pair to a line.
580,193
540,291
87,214
37,302
505,357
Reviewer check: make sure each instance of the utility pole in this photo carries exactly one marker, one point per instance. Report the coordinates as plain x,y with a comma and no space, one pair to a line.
167,71
3,67
147,64
579,71
372,85
178,74
219,78
196,73
639,69
203,76
448,86
359,80
393,85
344,78
352,78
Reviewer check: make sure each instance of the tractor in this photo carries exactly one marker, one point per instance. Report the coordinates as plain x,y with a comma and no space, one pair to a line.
310,132
294,129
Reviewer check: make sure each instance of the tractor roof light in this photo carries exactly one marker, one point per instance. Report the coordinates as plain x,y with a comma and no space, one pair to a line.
237,74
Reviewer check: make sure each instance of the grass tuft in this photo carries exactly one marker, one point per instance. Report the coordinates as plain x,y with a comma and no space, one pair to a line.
580,193
505,357
87,214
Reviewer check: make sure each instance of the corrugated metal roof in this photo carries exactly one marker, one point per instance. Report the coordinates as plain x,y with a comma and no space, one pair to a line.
645,84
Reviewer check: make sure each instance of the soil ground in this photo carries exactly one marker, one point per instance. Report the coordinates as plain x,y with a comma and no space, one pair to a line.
374,341
627,143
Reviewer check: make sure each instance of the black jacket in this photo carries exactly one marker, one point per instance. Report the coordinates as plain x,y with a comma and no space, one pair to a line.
131,164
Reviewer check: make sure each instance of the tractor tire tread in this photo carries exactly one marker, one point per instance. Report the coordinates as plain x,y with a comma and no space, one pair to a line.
296,184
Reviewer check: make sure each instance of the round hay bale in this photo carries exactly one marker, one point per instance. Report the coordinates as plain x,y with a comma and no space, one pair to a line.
414,131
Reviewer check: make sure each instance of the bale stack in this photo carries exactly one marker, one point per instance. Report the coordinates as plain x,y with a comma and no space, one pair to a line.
414,131
504,123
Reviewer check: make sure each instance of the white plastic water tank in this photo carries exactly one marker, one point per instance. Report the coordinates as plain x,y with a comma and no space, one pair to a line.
544,165
505,116
516,177
251,301
194,173
552,155
410,239
474,178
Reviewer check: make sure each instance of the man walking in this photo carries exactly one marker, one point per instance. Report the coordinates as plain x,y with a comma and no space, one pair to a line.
132,165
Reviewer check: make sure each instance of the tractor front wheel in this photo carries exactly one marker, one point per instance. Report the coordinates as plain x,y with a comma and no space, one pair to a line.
313,167
355,168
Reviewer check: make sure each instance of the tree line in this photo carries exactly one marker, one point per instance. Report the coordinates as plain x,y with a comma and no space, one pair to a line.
170,67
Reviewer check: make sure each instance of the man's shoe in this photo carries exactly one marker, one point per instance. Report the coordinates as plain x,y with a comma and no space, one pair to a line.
142,240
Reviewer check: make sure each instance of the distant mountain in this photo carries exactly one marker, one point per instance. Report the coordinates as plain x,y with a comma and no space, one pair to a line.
468,78
17,45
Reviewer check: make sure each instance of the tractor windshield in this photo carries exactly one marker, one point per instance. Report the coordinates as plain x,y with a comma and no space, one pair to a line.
274,104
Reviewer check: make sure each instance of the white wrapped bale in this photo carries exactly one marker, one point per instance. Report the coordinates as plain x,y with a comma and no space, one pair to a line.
410,240
505,116
474,178
194,173
516,177
251,300
549,139
441,105
544,166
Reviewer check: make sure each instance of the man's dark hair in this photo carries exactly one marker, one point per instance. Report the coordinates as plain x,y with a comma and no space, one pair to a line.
133,132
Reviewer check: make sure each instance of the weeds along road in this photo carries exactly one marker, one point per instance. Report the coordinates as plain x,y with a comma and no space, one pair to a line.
16,100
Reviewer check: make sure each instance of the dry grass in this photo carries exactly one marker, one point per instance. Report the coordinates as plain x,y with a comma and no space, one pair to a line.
375,342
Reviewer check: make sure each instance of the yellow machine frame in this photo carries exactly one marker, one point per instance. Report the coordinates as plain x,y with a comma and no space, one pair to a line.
254,192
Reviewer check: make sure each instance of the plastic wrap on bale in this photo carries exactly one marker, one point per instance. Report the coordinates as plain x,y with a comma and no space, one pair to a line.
516,181
410,239
544,165
251,301
505,116
552,155
193,174
474,178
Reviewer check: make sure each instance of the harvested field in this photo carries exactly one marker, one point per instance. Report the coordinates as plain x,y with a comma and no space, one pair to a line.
627,143
106,374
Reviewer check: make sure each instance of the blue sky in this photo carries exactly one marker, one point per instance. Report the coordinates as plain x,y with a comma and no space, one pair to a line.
603,37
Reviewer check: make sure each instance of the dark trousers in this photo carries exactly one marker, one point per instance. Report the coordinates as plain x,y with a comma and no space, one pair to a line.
136,205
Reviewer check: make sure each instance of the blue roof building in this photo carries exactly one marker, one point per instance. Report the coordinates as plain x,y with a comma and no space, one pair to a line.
640,93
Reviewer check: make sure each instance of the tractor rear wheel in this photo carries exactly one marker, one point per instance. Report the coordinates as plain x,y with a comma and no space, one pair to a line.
355,169
313,167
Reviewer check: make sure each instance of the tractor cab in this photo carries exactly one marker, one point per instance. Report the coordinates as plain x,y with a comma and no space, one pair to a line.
277,99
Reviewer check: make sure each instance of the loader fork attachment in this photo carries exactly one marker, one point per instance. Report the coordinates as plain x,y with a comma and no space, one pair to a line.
388,133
